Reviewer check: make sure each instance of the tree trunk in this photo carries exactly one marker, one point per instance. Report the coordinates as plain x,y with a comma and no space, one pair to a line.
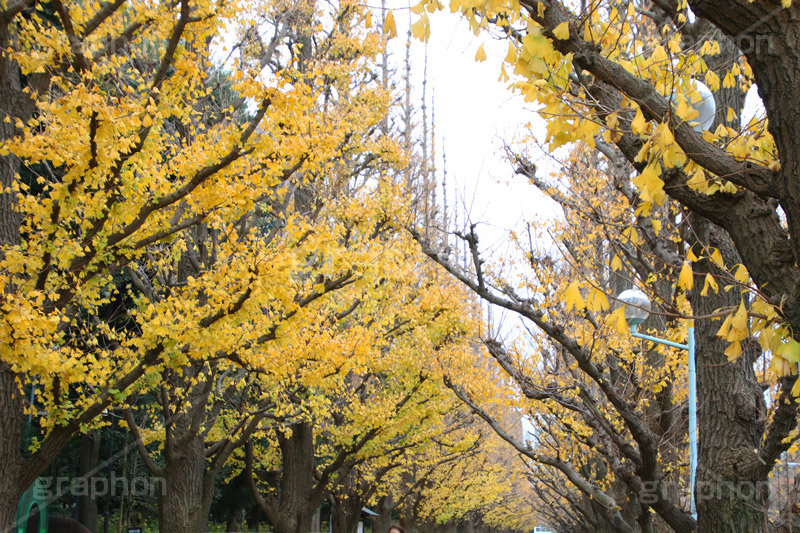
11,406
382,522
185,504
10,441
769,36
10,91
730,495
233,522
13,104
297,481
183,507
89,456
345,515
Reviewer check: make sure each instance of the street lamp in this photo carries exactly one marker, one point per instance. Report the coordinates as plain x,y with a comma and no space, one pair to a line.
706,107
637,308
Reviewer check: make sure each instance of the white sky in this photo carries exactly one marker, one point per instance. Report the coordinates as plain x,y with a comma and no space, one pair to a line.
474,114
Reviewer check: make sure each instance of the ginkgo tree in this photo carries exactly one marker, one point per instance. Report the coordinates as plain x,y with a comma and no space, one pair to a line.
622,74
613,419
128,153
357,394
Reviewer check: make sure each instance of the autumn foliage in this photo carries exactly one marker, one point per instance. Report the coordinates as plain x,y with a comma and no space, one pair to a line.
203,233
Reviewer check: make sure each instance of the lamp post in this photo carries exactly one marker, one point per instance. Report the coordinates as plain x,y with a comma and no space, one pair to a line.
706,107
637,309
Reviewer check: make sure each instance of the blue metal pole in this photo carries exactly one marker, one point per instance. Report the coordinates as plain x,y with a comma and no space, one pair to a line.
692,404
659,341
692,421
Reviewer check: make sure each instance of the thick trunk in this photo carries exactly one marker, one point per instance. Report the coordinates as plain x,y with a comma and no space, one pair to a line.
233,522
297,522
14,103
89,456
185,503
346,514
10,92
11,404
10,440
382,522
295,510
730,494
769,36
182,505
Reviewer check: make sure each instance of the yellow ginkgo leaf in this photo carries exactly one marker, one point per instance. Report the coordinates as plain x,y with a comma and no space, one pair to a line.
739,320
618,319
716,258
656,225
638,124
686,278
742,275
782,367
598,301
766,339
632,235
480,55
389,26
511,56
561,32
725,328
709,282
734,351
573,298
790,351
368,19
421,29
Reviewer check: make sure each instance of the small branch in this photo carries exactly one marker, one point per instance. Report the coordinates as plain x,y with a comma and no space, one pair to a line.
137,437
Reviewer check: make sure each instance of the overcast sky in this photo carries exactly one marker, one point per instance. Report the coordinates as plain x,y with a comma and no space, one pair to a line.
475,114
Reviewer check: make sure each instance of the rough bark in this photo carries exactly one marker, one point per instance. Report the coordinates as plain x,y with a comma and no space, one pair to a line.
297,481
384,508
10,90
769,36
346,513
731,491
10,439
11,402
88,458
290,508
183,507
